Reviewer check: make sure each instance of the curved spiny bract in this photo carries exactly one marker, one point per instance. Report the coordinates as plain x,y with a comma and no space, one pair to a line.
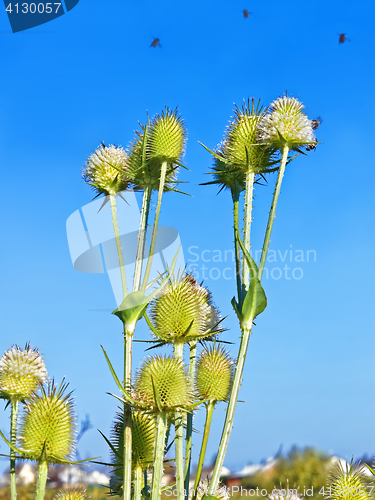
183,312
214,374
48,425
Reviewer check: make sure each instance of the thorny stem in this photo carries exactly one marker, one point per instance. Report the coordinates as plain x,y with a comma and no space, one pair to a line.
118,243
161,429
271,217
42,480
179,435
189,423
207,425
237,245
142,237
247,225
128,340
13,435
137,483
163,174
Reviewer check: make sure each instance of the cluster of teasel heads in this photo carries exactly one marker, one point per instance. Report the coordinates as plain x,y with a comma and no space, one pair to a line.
45,431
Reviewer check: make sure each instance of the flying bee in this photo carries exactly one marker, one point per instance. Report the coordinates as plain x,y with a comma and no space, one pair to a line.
342,38
315,123
311,147
103,145
246,13
155,42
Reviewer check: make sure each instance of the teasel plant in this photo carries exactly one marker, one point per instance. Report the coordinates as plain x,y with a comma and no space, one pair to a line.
347,481
151,165
22,371
71,494
181,314
251,148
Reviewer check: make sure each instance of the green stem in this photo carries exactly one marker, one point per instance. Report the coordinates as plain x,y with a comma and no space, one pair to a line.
137,483
161,429
142,237
271,217
42,480
179,435
237,245
163,174
247,225
128,339
118,243
207,425
189,423
13,435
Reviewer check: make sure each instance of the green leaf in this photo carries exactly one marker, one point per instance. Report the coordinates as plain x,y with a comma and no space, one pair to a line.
255,300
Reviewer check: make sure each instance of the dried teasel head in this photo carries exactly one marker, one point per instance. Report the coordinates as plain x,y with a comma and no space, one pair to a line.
21,372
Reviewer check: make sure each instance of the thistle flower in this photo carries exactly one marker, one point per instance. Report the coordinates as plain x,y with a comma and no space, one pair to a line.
71,494
162,383
48,425
21,372
285,494
163,140
347,482
214,374
286,124
183,312
106,170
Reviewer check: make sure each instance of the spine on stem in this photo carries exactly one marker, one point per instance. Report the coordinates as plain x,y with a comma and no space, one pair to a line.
42,480
13,435
179,435
247,225
209,412
161,430
189,423
142,237
118,243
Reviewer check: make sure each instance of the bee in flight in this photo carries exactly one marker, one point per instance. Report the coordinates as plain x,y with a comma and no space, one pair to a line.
246,13
343,38
314,124
155,43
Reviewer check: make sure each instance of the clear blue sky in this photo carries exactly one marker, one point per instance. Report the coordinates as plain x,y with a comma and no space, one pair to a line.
88,77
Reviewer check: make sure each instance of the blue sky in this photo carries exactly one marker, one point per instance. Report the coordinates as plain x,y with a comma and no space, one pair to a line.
88,77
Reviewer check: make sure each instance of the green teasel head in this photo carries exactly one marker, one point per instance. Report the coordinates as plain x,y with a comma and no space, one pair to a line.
347,482
48,426
184,312
167,137
162,383
214,374
286,124
71,494
106,170
22,371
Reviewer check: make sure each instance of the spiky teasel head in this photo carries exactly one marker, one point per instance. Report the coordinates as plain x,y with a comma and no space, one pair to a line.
21,372
285,494
286,124
71,494
203,493
183,312
106,170
214,374
162,383
167,137
347,482
48,425
143,438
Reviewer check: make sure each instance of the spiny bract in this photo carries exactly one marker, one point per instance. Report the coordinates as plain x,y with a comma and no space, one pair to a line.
106,170
347,482
71,494
183,312
48,425
167,376
286,124
21,372
214,374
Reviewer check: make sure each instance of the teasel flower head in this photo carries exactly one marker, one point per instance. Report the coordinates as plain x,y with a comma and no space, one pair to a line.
143,439
286,124
163,139
106,170
163,385
21,372
48,425
347,482
285,494
184,312
214,374
221,492
71,494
